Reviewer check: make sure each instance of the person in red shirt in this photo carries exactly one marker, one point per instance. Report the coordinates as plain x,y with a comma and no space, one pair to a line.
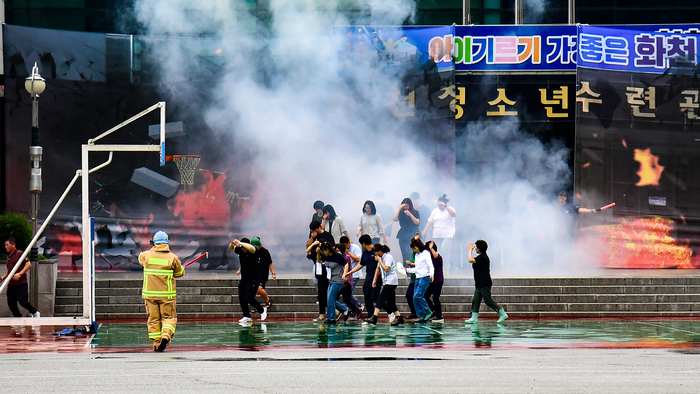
17,289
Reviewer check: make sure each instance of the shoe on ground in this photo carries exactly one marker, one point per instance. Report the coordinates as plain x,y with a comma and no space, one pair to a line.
392,316
474,319
319,319
412,317
399,321
428,315
163,344
245,319
263,315
502,316
372,320
330,321
439,319
346,314
36,314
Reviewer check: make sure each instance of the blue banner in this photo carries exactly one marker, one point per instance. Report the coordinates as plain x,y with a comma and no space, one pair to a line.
515,48
637,50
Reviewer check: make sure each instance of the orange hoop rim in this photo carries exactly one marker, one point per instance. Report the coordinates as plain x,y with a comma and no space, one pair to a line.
168,158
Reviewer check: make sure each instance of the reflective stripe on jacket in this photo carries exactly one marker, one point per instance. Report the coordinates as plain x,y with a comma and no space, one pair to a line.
160,267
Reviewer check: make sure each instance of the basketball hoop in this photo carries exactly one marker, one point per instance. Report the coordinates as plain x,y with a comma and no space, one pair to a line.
187,165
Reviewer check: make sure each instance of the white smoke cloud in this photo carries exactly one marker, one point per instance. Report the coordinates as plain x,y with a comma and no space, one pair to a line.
320,127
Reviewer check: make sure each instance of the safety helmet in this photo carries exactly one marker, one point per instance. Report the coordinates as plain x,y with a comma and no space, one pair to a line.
160,237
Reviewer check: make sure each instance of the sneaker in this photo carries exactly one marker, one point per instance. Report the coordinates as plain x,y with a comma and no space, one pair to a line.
330,321
372,320
319,319
245,319
163,344
439,319
399,320
36,314
392,317
346,314
263,315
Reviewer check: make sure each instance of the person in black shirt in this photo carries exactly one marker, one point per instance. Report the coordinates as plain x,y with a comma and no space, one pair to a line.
264,263
571,210
482,282
248,285
409,220
313,253
367,260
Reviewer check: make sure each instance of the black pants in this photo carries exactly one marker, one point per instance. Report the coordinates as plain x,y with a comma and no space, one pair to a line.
322,294
19,293
346,292
371,296
485,293
409,298
246,295
387,299
434,291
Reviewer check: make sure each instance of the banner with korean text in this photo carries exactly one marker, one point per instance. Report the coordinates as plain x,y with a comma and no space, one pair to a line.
637,144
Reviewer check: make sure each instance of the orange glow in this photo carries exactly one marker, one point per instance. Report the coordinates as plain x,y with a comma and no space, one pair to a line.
649,169
586,165
208,206
624,143
218,51
640,243
578,195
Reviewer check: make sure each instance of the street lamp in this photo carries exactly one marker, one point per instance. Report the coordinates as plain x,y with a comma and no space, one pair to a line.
35,85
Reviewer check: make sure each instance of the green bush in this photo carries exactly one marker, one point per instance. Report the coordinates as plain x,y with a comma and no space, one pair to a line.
14,225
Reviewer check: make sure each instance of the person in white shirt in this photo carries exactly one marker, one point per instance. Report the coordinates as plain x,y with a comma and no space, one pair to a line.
442,222
386,266
424,271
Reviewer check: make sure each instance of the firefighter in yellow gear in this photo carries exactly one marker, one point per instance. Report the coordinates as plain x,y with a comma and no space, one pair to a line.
160,267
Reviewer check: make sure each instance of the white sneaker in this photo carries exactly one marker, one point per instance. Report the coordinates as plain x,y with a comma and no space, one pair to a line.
392,317
36,314
245,319
263,315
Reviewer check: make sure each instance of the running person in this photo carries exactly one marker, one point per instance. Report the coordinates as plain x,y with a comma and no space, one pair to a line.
386,269
435,288
346,290
424,271
264,263
318,235
249,283
482,282
337,266
367,260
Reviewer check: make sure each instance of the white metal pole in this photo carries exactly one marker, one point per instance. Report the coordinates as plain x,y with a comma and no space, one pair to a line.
87,278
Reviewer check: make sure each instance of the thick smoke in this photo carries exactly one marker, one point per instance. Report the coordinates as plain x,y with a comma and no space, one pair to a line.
315,123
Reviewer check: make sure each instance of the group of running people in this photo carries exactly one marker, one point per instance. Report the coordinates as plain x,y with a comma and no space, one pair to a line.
338,263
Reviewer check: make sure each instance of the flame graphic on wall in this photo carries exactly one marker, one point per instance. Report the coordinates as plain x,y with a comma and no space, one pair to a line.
649,168
639,243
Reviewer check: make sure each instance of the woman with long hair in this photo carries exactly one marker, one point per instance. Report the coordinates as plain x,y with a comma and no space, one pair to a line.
387,298
409,219
333,224
442,222
371,223
424,271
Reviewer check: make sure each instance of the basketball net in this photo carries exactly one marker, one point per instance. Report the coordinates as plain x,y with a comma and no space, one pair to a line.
187,165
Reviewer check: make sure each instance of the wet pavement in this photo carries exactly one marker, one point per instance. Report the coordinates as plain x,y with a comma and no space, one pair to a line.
452,335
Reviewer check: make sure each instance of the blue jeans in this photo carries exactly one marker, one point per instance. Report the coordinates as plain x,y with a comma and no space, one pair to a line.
419,295
333,291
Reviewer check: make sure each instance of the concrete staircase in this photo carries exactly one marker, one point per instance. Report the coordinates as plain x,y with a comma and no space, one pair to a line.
597,297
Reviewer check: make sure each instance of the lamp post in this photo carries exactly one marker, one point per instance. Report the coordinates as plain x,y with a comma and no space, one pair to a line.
35,85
